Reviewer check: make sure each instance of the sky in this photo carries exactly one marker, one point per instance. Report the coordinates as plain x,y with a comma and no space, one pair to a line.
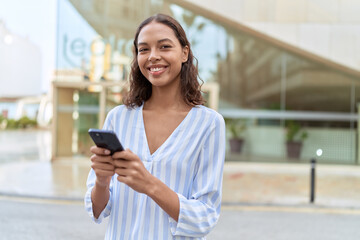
36,21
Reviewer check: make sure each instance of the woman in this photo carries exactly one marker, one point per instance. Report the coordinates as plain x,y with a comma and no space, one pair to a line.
168,186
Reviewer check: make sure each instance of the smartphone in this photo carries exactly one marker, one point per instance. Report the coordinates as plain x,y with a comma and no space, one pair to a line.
106,139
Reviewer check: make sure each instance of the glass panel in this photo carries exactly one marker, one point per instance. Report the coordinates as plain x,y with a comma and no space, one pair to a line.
94,46
327,141
264,85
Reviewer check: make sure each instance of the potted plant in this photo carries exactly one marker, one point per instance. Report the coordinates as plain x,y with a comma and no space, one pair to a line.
295,136
235,127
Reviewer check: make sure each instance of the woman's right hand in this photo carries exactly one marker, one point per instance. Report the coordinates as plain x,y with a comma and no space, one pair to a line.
102,163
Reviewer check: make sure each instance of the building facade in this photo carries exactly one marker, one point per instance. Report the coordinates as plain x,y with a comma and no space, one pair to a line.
279,67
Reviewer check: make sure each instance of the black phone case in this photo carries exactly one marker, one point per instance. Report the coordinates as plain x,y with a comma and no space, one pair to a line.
106,139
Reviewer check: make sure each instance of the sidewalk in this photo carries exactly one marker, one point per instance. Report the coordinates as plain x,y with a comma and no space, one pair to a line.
289,184
62,179
244,183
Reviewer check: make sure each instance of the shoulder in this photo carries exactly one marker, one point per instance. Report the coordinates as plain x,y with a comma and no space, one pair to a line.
122,109
212,126
119,112
211,116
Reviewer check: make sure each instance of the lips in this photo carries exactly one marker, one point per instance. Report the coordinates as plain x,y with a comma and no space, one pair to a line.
156,70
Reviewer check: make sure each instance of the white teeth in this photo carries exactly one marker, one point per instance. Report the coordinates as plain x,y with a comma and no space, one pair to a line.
155,69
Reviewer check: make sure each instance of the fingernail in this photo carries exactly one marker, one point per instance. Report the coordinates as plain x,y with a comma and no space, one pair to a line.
107,151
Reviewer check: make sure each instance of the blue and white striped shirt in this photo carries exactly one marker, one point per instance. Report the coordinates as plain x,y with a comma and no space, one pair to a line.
190,162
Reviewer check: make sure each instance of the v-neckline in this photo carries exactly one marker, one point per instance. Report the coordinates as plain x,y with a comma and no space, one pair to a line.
178,128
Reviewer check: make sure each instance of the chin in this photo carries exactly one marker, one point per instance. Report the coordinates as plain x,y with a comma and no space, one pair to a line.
159,82
159,85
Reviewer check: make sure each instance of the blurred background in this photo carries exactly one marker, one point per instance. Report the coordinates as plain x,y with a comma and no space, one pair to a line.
284,74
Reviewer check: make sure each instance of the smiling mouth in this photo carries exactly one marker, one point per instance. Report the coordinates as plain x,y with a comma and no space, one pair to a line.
156,69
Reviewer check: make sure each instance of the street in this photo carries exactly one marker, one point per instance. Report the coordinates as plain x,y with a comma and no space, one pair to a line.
30,218
40,219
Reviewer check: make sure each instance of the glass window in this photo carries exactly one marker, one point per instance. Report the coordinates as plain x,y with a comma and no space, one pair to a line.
267,86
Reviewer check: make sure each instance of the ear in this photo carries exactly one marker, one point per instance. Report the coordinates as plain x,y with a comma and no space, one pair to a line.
185,53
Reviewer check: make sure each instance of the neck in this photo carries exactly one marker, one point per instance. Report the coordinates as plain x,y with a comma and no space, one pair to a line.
166,99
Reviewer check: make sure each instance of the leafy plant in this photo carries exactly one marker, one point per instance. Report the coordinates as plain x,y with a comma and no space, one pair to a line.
294,132
24,122
235,126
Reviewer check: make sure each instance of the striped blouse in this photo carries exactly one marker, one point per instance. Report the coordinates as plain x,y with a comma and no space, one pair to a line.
190,162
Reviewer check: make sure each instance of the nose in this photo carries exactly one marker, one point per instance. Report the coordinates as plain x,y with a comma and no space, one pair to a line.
154,56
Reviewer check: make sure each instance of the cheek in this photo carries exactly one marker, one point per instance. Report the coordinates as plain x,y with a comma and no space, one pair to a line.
178,64
141,63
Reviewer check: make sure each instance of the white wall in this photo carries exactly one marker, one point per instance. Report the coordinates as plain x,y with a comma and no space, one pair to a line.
20,66
330,28
35,21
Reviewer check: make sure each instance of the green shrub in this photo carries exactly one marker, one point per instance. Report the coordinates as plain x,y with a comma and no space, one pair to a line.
22,123
236,127
26,122
294,132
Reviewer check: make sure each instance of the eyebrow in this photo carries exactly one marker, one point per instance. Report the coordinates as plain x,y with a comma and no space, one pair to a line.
159,41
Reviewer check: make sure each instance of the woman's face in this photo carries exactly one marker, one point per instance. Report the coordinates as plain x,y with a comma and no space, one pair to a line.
160,55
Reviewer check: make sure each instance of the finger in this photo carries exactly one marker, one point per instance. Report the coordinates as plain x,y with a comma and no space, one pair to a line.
102,166
100,151
121,163
100,158
104,173
122,179
123,171
125,155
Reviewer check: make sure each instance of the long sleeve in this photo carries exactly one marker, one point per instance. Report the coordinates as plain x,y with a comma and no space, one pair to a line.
199,213
90,183
88,202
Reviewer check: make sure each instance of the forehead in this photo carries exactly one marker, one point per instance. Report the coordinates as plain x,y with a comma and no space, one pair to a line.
155,31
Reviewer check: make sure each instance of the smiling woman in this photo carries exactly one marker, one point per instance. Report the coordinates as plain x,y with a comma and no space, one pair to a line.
169,184
158,56
171,44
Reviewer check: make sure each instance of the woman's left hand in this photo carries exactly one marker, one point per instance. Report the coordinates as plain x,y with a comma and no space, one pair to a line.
132,171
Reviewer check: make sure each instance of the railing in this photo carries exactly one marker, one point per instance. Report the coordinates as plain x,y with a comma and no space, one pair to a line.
294,115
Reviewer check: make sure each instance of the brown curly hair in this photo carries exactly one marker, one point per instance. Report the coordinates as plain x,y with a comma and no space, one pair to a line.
141,89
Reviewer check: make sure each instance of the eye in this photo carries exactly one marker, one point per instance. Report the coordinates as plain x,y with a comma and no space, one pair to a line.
165,46
142,50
